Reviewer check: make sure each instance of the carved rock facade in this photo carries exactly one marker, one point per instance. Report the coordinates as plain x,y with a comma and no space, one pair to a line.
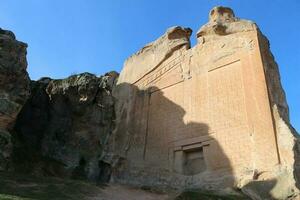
212,116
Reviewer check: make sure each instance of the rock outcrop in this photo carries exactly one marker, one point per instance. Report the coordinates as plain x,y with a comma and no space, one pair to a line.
154,53
285,176
63,128
213,116
209,118
14,89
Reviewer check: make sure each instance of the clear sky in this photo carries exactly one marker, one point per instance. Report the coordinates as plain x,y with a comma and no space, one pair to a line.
73,36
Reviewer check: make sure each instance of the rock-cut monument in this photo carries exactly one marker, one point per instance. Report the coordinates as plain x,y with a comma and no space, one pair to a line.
213,115
209,117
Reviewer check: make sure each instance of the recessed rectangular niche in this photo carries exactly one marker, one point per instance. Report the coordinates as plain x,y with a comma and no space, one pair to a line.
194,161
189,161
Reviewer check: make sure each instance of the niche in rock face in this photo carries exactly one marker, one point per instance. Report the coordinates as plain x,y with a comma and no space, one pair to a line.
194,162
190,161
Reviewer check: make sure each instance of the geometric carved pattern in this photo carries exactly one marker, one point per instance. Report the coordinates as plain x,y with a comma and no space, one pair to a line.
226,97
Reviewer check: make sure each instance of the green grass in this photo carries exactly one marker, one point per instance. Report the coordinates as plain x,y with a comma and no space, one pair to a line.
10,197
25,187
207,195
22,187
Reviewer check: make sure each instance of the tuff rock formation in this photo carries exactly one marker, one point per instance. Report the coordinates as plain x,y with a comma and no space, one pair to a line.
211,118
14,89
63,128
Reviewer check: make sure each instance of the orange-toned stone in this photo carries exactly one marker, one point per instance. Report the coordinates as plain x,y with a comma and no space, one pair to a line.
203,116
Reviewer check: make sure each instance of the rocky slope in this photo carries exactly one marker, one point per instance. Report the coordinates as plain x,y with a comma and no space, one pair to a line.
14,89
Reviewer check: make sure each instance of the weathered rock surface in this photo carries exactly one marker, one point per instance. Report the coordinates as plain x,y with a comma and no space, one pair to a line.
63,128
222,21
14,89
154,53
210,117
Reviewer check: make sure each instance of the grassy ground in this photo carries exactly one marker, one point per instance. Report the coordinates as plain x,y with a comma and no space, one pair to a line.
24,187
10,197
202,195
21,187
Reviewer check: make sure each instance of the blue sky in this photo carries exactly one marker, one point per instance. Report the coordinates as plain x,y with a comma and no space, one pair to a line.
73,36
